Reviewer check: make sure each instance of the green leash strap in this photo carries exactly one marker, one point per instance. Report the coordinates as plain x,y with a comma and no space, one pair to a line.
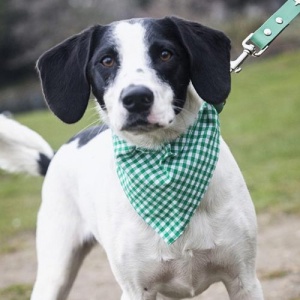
267,33
264,36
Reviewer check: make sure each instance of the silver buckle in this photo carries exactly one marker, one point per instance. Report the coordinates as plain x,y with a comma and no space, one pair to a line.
249,49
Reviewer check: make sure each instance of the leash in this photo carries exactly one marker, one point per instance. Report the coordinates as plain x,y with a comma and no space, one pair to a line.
259,41
267,33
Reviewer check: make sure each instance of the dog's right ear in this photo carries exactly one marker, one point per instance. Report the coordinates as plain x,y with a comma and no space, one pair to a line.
62,71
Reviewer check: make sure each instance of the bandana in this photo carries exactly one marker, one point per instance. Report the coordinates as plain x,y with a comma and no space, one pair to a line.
165,186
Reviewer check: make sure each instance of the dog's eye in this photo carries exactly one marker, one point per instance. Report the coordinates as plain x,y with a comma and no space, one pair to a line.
165,55
107,61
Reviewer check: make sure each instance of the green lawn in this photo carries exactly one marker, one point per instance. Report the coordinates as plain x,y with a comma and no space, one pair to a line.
260,123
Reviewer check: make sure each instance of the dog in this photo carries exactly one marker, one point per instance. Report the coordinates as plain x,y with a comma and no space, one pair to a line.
150,78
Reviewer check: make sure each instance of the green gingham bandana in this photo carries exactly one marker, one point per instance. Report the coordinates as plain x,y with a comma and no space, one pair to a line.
165,186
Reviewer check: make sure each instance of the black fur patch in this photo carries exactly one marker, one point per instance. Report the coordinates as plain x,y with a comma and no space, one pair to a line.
161,36
87,135
43,162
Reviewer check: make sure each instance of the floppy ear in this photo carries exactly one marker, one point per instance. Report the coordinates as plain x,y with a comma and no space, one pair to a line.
209,52
62,71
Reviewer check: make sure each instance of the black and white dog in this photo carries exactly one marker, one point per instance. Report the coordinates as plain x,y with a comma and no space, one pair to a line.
150,77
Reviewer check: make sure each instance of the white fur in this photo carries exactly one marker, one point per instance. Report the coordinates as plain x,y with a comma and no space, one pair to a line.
20,147
83,202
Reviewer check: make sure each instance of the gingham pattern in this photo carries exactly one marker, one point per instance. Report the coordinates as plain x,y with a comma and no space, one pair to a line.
165,186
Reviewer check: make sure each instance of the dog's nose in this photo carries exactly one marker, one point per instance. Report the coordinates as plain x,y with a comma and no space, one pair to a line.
137,98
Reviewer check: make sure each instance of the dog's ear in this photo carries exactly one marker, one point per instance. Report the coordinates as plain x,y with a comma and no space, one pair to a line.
209,52
62,71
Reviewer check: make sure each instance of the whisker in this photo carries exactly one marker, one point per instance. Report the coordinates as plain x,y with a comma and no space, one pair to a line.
184,110
96,120
89,125
184,116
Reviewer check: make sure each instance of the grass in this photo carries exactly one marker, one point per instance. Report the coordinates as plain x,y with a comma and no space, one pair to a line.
260,123
16,292
274,275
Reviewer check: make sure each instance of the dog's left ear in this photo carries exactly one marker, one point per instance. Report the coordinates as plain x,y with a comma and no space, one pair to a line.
209,52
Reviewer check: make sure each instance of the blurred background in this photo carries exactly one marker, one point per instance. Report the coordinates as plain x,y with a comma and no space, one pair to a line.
260,122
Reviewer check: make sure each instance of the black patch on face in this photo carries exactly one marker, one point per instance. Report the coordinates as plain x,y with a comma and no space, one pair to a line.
209,56
162,36
87,135
100,76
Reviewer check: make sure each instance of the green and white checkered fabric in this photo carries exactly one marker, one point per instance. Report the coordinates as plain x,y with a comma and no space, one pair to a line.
165,186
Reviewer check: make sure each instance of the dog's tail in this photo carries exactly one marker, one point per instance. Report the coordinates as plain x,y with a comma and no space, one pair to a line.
22,150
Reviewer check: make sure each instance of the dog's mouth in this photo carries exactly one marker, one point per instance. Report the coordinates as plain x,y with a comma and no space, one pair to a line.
139,124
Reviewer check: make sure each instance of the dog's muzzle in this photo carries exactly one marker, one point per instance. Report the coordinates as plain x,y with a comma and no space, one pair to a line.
137,100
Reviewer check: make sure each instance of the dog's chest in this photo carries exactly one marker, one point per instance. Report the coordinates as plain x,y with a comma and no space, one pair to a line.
172,272
179,270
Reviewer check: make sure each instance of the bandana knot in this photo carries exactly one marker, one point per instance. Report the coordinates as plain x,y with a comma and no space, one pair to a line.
165,185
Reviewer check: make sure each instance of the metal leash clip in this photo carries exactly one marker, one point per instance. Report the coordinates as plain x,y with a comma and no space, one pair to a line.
249,49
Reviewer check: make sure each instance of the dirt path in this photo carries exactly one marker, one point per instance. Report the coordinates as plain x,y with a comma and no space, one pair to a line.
278,265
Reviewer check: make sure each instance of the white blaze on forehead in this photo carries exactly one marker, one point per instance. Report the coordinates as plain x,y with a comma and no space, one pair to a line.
130,38
135,69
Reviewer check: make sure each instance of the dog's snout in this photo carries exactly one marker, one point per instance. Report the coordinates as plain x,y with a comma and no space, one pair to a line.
137,98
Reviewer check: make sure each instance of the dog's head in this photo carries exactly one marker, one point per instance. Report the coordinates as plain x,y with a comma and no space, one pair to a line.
140,72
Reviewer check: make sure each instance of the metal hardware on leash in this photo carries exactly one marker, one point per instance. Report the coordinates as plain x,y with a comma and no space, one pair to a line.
267,33
249,49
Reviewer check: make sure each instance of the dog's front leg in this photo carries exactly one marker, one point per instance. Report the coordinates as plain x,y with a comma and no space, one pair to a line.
244,288
61,247
54,283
